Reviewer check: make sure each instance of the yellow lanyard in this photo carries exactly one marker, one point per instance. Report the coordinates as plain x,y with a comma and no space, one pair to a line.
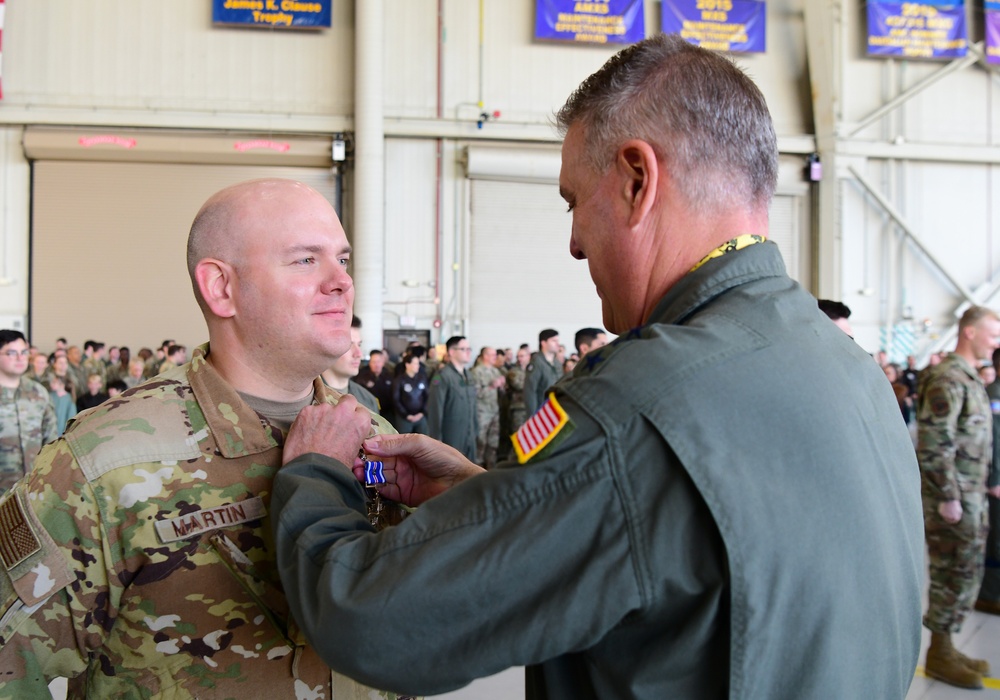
747,239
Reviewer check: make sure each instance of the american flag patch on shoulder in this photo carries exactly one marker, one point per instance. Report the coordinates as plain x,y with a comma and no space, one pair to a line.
539,430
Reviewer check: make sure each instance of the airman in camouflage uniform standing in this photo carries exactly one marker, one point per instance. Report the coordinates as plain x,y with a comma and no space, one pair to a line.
489,382
94,364
27,419
137,558
954,450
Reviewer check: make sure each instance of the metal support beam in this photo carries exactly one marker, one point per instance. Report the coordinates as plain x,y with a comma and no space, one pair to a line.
974,56
908,231
824,27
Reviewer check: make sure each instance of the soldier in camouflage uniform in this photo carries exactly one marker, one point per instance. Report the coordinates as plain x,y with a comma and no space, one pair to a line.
515,387
78,376
955,440
137,558
489,381
94,364
27,419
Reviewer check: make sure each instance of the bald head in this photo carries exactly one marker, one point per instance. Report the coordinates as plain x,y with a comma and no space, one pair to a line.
231,216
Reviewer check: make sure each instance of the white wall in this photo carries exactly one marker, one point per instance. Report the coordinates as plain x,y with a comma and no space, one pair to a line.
109,64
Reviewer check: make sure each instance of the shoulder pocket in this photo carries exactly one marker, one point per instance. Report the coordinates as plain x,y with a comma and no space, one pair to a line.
35,564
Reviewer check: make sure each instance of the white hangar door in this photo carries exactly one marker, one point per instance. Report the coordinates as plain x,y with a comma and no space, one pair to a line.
108,238
522,277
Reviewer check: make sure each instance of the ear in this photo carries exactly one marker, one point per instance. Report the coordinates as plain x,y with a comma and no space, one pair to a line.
641,170
215,282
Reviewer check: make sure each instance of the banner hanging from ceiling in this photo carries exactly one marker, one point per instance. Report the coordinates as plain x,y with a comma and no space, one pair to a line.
928,29
992,30
611,22
273,14
721,25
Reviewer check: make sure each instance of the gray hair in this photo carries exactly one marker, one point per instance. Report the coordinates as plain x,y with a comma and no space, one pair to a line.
703,116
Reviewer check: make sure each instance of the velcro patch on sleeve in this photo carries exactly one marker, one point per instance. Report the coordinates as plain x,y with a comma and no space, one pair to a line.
540,430
17,541
35,564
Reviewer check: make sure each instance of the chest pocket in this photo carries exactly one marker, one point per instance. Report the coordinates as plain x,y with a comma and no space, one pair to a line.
268,597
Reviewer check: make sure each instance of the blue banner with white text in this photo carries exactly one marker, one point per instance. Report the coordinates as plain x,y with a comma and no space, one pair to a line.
273,14
610,22
992,30
721,25
928,29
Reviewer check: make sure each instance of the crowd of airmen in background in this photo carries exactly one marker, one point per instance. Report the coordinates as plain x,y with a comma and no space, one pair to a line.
476,407
497,392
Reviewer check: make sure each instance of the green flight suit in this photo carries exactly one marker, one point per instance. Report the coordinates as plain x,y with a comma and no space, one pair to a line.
451,410
716,533
539,375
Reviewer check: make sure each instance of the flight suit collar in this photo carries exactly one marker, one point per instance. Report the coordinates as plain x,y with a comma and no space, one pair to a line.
715,277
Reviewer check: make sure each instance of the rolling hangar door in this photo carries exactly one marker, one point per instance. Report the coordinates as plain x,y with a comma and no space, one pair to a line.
110,214
523,278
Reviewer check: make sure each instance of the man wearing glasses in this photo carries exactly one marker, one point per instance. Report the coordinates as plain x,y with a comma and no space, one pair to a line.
451,400
27,420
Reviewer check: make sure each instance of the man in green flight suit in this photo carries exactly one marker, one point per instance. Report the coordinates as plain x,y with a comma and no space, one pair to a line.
136,558
542,371
710,534
451,400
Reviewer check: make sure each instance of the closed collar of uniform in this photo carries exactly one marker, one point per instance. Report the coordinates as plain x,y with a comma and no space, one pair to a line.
237,428
733,244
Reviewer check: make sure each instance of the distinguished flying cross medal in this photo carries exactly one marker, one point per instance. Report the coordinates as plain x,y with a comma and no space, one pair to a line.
373,473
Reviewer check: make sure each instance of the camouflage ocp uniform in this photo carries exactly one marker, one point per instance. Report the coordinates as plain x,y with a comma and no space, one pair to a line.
27,421
515,388
94,366
137,558
487,413
955,446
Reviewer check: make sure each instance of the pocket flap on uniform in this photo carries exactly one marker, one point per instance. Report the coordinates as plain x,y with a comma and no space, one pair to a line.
35,564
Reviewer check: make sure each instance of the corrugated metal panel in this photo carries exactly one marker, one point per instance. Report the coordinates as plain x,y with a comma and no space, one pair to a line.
167,55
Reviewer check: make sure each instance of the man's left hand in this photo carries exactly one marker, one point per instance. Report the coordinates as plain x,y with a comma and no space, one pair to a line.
335,431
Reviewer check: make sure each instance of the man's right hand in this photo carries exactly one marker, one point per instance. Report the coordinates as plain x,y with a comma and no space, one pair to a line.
416,467
950,511
336,431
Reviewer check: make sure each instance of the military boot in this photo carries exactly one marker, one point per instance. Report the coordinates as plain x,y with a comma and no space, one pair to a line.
944,664
980,666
